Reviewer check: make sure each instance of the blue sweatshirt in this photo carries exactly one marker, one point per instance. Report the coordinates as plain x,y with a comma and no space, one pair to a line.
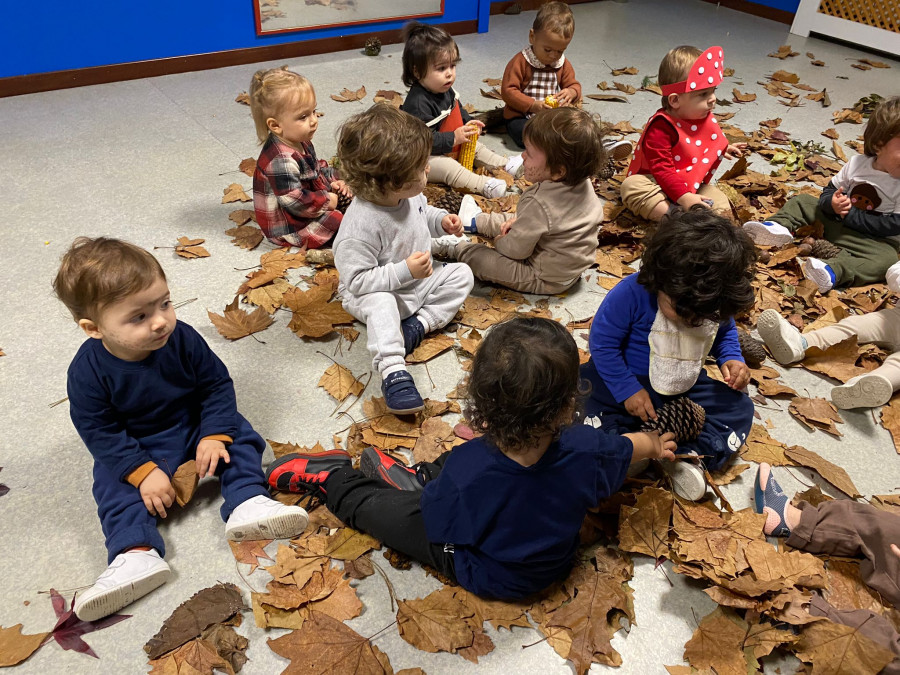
178,390
619,340
515,528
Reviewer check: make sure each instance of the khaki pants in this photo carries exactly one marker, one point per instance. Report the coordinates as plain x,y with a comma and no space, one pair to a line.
447,170
641,194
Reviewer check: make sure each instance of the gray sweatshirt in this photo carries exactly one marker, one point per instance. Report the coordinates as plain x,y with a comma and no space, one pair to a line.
373,243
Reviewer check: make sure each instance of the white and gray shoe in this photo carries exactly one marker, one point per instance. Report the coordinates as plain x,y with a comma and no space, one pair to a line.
468,210
494,188
131,575
618,150
514,166
768,233
686,476
783,340
863,391
819,273
263,518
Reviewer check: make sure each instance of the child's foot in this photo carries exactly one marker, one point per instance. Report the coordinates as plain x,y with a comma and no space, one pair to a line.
863,391
376,464
413,331
494,188
514,166
892,277
468,209
820,273
686,475
617,150
130,575
263,518
783,340
400,393
306,473
768,233
771,500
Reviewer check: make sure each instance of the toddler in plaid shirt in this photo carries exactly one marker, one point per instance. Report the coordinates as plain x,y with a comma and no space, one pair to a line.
296,196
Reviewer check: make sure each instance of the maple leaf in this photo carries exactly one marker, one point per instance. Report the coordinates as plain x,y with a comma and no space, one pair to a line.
435,623
242,216
235,323
830,472
235,193
184,482
349,95
69,628
394,98
247,166
345,544
294,567
250,552
761,447
270,297
727,475
325,645
834,648
471,342
340,382
245,236
433,441
717,643
190,248
644,528
816,413
430,347
847,590
197,655
314,316
15,646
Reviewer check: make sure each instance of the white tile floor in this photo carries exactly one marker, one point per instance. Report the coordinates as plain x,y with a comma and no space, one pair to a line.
147,160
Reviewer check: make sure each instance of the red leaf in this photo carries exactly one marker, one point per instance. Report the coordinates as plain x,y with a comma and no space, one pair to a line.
69,628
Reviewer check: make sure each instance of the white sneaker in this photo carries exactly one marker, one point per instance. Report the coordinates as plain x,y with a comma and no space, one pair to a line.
494,188
445,247
768,233
863,391
618,150
514,166
468,209
892,276
130,575
783,340
688,481
819,273
637,468
263,518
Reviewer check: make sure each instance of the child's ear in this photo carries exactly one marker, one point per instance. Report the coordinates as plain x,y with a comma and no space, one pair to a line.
558,175
674,101
273,125
531,36
90,328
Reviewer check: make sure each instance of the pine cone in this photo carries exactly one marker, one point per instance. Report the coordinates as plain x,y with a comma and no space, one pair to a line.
450,201
752,350
609,170
373,46
343,202
824,249
681,416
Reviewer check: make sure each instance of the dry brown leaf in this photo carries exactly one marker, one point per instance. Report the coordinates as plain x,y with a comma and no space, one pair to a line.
281,259
435,623
628,70
247,166
609,98
314,316
195,657
345,544
245,236
242,216
874,64
816,413
493,81
270,297
742,98
347,95
471,342
435,439
184,482
838,361
785,76
430,347
235,193
624,88
831,133
250,552
830,472
644,528
190,248
838,151
761,447
890,420
360,568
243,97
610,263
394,98
835,649
728,475
15,646
783,52
235,323
340,382
718,643
293,566
847,115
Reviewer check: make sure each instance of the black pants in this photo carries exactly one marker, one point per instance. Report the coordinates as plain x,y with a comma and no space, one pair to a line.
514,128
390,515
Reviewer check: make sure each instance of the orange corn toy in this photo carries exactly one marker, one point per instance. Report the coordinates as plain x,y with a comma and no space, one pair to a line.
467,152
551,101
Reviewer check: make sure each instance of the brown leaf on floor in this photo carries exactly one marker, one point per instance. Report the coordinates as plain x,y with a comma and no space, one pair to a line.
314,316
193,616
783,52
874,64
887,503
325,645
624,88
235,323
235,193
287,606
742,98
247,166
360,568
347,95
436,438
196,656
190,248
470,343
480,313
435,623
243,97
250,552
430,347
816,413
729,474
15,646
831,133
785,76
281,259
768,382
771,124
340,382
628,70
847,115
395,98
830,472
270,297
184,482
847,590
761,447
826,645
345,544
644,528
609,98
838,151
242,216
282,449
609,262
294,567
890,420
838,361
245,236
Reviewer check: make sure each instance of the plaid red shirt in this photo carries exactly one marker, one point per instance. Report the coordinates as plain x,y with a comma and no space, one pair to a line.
290,195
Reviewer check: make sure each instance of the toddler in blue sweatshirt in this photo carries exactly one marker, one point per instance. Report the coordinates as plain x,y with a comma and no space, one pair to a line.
654,330
146,394
499,514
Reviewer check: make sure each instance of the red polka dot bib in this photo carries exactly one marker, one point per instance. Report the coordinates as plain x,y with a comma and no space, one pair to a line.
696,154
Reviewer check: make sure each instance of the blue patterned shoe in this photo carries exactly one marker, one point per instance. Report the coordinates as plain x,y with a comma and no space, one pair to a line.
413,333
400,394
773,502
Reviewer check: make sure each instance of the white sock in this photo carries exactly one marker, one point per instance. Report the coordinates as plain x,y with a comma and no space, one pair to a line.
424,323
390,370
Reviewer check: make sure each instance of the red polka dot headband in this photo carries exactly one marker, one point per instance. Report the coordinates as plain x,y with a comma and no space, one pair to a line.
706,72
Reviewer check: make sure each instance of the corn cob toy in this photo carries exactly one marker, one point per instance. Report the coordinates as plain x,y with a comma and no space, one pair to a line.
551,101
467,152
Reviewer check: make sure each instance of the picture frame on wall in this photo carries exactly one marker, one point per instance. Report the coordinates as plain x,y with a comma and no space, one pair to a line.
287,16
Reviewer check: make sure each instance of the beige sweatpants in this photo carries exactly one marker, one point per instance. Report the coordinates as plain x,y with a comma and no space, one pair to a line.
882,328
641,194
447,170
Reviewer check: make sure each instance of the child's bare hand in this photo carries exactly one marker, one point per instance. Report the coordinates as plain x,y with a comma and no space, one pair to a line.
332,201
341,187
652,445
736,374
566,96
419,264
840,203
209,452
640,405
461,135
157,492
452,224
688,199
507,226
538,105
735,150
667,445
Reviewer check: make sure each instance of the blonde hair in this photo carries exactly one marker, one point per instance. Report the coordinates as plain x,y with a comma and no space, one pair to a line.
883,125
382,149
676,66
555,17
96,273
270,91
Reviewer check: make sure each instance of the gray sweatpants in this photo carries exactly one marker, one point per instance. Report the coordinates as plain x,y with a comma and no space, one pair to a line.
435,299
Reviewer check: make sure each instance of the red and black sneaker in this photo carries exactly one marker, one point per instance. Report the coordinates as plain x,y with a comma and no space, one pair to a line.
306,473
376,464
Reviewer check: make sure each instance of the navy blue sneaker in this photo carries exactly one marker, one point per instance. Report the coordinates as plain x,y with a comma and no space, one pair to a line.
400,393
376,464
413,333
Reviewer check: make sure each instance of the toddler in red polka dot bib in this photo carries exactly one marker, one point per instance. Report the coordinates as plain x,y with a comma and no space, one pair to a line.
682,145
